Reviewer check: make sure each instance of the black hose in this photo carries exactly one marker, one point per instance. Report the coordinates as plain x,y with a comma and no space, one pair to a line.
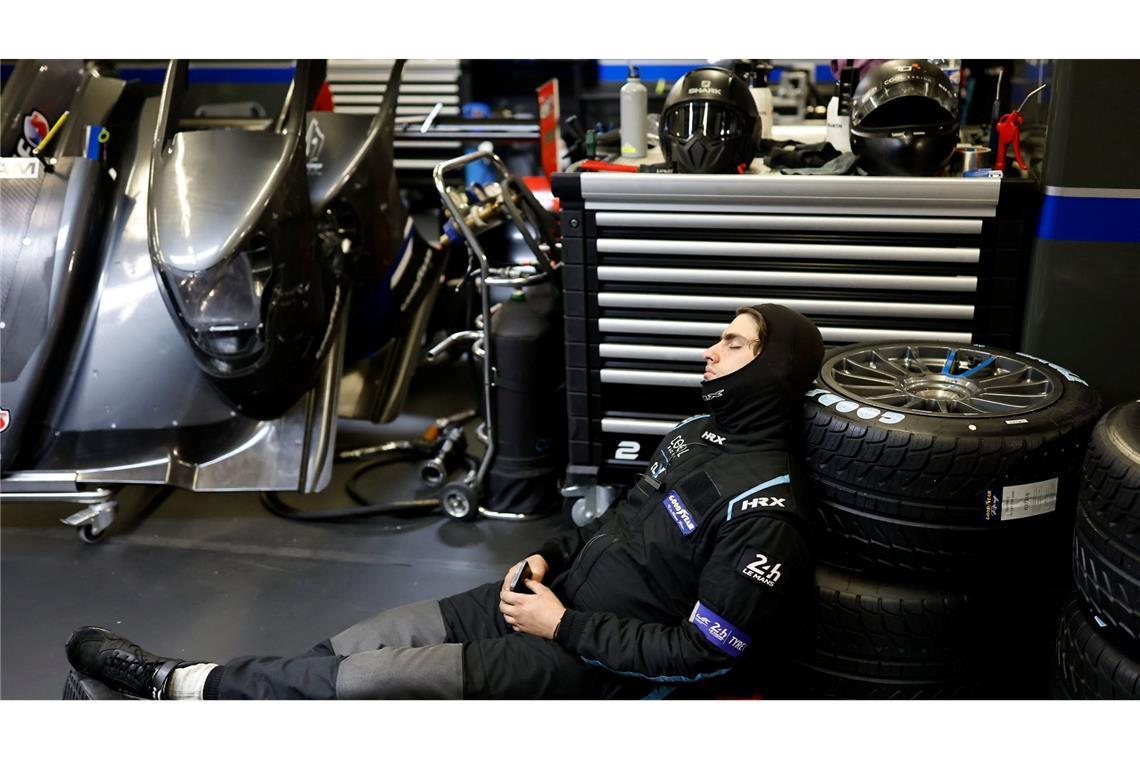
273,502
351,486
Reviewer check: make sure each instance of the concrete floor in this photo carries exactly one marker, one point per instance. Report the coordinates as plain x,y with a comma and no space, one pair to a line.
211,576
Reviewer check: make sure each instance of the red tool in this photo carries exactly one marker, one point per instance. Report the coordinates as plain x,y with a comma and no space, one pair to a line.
1009,131
605,166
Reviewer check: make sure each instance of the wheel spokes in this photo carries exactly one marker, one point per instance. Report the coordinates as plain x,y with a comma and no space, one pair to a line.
1004,406
868,368
969,407
866,378
855,386
1026,396
889,365
884,397
1007,377
1044,384
911,377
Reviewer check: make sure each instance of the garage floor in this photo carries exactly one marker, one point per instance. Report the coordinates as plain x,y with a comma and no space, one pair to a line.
211,576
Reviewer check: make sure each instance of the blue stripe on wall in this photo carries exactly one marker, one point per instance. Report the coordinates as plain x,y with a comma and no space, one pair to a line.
213,74
610,73
1104,220
6,70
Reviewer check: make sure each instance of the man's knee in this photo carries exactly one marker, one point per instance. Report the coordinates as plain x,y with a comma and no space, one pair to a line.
430,672
413,625
322,649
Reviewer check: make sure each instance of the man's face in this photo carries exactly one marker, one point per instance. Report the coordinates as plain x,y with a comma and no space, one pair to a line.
734,349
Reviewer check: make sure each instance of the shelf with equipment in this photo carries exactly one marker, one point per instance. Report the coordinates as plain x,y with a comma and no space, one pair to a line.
654,265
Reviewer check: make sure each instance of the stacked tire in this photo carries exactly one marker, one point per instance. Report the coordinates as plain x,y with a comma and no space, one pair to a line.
875,639
1098,642
944,479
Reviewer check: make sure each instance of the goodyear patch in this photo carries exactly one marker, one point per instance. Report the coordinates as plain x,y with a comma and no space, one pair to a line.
679,512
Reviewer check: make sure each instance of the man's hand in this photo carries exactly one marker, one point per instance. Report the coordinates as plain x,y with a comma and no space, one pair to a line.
538,569
537,613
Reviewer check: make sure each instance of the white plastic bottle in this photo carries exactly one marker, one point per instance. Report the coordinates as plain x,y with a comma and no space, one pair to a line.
634,116
838,127
762,96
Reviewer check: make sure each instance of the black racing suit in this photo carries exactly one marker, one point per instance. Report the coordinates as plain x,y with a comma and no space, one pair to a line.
694,569
688,578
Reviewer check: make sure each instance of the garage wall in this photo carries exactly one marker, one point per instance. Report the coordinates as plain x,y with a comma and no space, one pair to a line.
1084,272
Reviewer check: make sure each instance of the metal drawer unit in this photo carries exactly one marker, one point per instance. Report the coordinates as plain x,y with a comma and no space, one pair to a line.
358,87
654,265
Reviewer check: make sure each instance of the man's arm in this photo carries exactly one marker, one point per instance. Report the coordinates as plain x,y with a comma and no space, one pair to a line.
743,589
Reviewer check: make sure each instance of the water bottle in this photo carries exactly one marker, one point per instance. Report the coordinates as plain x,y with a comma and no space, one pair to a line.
634,115
762,96
838,126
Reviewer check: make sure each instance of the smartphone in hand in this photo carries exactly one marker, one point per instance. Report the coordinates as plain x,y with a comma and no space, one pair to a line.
518,580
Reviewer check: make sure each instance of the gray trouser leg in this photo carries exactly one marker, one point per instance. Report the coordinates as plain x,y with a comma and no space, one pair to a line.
399,654
402,672
413,625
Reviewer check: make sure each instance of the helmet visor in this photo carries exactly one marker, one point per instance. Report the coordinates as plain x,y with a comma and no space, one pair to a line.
929,100
713,120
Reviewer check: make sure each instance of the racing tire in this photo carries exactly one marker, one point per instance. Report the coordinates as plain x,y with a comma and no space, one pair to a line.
1057,688
1107,573
1111,473
1106,542
943,487
860,678
1093,661
867,638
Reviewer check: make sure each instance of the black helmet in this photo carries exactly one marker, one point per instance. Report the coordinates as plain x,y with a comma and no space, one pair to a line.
904,119
709,124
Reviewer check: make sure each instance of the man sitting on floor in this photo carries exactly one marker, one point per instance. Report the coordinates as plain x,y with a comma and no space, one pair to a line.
693,572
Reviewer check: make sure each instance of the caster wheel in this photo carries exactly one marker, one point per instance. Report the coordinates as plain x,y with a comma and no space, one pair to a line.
460,502
88,534
569,507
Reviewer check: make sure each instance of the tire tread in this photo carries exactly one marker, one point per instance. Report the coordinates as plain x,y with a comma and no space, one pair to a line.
1089,664
1110,482
1107,574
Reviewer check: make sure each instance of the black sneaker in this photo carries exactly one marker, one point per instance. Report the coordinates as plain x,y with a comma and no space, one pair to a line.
120,664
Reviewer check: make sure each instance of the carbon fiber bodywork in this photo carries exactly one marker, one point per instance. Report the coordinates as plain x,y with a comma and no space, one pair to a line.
232,236
133,405
50,224
108,368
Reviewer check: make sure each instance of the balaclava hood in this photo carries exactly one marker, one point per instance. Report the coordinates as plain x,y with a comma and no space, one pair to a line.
756,404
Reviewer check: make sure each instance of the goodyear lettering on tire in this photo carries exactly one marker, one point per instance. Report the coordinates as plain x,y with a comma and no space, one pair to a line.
847,406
